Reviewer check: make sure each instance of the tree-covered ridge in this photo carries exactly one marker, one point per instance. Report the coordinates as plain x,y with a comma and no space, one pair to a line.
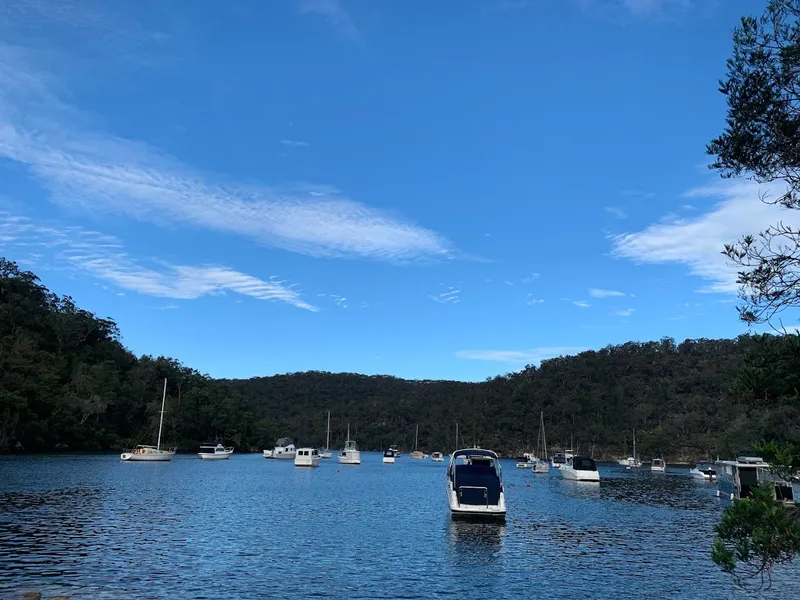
65,378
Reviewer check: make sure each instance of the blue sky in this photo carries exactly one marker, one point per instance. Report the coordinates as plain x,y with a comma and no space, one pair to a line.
446,189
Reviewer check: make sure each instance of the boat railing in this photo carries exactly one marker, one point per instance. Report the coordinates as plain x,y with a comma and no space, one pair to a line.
473,487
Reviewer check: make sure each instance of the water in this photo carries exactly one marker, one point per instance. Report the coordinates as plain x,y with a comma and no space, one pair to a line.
94,527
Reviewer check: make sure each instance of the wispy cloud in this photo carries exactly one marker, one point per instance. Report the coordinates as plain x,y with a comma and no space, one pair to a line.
104,257
581,303
531,278
451,296
295,144
641,194
626,312
520,357
698,242
531,301
333,12
599,293
616,212
92,171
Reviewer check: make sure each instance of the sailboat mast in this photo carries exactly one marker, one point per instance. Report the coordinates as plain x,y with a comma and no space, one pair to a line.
634,445
161,421
544,436
456,435
328,437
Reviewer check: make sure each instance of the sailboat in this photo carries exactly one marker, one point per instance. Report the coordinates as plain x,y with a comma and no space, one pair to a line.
350,455
633,462
327,453
542,465
417,453
151,453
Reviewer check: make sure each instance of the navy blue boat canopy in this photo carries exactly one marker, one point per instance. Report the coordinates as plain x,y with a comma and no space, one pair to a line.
475,452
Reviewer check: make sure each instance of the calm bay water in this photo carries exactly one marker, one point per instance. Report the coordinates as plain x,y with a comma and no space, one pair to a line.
94,527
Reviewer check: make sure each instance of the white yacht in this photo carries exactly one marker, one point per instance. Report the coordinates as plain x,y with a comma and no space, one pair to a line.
658,465
541,466
736,478
580,468
437,457
475,487
560,459
306,457
527,461
327,452
704,471
214,451
284,449
350,455
388,457
267,453
151,453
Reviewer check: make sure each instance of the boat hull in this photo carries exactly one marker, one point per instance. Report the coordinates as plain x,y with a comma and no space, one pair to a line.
214,455
155,457
284,456
351,458
325,455
460,510
577,475
388,460
304,461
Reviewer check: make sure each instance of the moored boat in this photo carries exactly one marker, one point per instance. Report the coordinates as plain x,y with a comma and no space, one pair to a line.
657,465
350,455
475,488
560,459
704,471
437,457
580,468
214,451
737,478
388,457
541,466
284,449
144,453
306,457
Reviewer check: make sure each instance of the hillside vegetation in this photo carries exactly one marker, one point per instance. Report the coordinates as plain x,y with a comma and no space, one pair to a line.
67,379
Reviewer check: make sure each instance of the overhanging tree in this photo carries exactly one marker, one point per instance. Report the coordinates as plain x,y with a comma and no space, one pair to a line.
762,141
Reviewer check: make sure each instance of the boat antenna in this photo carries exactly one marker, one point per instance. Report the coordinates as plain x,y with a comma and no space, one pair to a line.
161,421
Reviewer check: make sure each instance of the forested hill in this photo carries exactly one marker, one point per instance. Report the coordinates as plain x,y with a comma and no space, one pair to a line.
67,380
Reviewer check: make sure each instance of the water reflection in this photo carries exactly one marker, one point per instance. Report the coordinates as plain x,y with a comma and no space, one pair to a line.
475,542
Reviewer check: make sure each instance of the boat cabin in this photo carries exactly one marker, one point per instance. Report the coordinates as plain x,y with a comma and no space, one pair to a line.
583,463
736,478
284,446
479,481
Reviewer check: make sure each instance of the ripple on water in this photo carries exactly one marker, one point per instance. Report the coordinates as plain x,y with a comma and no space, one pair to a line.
93,527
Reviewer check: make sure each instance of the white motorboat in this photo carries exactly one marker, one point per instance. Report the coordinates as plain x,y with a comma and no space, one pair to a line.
327,452
703,471
144,453
560,459
267,453
657,465
284,449
475,487
541,466
437,457
737,478
388,457
580,468
350,455
527,461
306,457
214,451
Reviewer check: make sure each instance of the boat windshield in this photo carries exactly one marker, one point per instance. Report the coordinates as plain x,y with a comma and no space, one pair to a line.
580,463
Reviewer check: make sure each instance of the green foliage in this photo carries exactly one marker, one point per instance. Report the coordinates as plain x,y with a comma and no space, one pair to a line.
783,459
754,535
65,378
762,141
